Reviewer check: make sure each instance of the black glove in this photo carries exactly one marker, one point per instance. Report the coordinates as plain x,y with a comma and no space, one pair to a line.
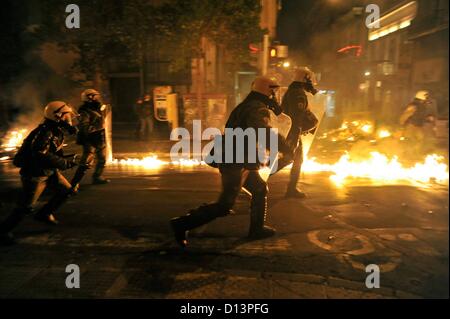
72,130
275,107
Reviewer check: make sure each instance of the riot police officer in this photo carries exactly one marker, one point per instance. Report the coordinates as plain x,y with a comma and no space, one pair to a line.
40,159
295,105
253,113
92,137
418,123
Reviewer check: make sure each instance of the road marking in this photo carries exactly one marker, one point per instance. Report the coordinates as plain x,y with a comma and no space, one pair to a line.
346,257
366,248
313,238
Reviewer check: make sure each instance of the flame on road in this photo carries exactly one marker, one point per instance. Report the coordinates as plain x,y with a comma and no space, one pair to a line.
152,162
381,169
14,139
377,168
384,134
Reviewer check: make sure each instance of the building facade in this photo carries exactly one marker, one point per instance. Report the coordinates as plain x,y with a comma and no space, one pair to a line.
376,70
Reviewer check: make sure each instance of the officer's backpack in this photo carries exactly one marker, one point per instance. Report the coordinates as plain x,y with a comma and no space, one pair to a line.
24,154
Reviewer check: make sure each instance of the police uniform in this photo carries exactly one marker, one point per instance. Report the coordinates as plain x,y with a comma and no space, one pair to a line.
92,137
415,120
254,113
295,105
41,159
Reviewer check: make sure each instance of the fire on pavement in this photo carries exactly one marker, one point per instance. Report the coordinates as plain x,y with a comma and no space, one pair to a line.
375,166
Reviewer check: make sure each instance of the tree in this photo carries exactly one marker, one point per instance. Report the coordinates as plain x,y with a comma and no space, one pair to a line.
94,42
111,29
230,24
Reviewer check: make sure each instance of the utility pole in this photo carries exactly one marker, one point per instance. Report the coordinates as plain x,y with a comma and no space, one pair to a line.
265,52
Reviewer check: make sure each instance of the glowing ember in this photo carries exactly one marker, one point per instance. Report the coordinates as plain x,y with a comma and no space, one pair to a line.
14,139
384,134
150,162
367,128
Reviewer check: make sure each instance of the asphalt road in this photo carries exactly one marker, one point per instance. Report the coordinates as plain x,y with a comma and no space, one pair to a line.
119,236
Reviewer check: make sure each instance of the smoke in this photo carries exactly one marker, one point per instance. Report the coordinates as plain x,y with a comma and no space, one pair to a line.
29,100
40,83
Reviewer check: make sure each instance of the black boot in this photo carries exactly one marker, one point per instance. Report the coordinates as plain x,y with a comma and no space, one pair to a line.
295,193
292,190
100,181
258,214
6,237
96,177
79,174
46,213
46,218
195,218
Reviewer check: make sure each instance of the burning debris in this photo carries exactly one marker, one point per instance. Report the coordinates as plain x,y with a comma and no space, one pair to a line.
13,139
11,142
353,131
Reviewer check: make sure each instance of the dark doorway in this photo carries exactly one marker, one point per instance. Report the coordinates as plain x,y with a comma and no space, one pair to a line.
124,93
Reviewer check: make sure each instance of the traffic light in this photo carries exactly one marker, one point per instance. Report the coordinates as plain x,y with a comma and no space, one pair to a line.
273,52
278,55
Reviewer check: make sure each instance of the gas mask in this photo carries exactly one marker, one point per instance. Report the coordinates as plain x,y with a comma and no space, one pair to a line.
274,101
95,100
309,87
66,123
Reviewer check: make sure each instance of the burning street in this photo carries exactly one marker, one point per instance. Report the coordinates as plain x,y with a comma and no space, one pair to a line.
120,233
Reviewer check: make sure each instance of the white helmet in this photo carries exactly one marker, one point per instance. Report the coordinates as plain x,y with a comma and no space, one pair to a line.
422,95
59,111
303,74
265,85
89,95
